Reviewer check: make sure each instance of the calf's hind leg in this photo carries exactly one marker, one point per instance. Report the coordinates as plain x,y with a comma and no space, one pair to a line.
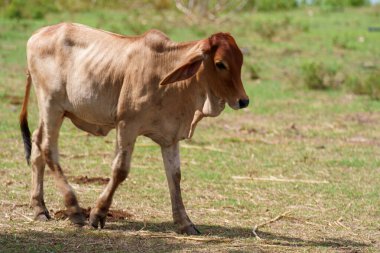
52,124
38,168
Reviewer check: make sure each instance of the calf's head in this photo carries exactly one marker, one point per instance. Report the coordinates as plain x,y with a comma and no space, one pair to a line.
220,72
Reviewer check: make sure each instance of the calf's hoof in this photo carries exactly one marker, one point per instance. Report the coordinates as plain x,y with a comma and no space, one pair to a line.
42,216
189,230
77,219
97,219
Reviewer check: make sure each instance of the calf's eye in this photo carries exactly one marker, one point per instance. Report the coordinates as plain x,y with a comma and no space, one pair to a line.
220,65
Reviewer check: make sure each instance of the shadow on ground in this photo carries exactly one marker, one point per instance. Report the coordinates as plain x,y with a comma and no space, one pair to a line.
125,236
241,233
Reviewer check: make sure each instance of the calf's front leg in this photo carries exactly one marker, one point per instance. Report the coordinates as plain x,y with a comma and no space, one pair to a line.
120,171
170,155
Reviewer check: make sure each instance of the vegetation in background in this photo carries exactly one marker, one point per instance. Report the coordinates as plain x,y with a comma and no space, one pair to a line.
321,76
269,5
344,41
270,29
279,29
37,9
366,85
338,5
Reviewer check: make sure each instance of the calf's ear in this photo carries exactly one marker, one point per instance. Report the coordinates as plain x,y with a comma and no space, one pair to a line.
186,70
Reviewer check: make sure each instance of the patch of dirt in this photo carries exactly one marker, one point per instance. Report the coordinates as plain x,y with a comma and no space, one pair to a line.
8,182
80,156
252,130
290,52
112,215
363,118
363,140
90,180
12,205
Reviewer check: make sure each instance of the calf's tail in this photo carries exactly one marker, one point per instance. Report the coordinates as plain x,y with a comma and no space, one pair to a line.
24,120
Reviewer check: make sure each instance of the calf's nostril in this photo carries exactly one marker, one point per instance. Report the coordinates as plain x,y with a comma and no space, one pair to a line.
243,103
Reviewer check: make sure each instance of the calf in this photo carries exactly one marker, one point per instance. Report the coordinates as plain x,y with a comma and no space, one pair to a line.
141,85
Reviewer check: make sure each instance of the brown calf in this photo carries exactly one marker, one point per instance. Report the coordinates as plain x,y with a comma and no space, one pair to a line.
143,85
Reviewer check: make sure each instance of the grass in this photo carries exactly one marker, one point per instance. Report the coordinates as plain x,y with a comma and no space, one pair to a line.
318,76
368,86
289,137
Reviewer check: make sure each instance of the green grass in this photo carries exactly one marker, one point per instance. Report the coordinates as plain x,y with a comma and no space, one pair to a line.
232,166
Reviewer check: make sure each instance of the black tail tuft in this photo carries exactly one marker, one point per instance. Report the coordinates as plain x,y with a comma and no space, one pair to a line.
26,138
24,120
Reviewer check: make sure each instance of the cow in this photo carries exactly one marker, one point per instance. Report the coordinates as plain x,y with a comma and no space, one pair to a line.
139,85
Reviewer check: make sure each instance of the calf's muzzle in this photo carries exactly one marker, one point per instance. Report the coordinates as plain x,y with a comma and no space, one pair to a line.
243,103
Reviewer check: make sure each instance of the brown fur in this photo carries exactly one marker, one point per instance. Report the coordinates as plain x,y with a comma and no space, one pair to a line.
140,85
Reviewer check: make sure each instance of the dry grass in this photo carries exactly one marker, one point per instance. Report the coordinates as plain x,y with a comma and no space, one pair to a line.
327,216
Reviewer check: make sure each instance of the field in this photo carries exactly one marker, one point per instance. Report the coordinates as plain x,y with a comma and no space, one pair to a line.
301,166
